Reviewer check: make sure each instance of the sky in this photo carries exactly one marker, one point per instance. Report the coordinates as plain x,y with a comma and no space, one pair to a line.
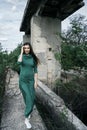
11,14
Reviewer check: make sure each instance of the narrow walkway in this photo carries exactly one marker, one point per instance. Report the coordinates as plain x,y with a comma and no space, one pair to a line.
13,107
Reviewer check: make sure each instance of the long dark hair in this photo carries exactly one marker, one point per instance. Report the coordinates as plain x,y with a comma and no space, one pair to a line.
32,53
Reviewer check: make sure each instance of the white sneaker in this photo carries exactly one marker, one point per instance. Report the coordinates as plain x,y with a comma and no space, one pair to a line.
28,125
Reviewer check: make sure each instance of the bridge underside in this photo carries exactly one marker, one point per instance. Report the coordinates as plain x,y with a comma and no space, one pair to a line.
60,9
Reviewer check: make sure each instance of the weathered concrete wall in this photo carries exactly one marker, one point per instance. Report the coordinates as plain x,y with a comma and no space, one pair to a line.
62,116
46,42
13,107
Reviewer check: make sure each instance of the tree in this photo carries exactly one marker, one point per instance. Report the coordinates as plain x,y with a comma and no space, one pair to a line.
12,59
77,32
3,64
74,44
0,47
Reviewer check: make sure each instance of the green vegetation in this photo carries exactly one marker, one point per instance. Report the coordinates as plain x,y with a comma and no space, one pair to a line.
48,120
74,44
74,94
12,59
58,56
74,56
3,64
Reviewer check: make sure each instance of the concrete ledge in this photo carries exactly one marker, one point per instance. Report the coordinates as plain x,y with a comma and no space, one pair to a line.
13,108
56,107
13,118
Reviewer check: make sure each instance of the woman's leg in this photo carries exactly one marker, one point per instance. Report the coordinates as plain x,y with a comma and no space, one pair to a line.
28,93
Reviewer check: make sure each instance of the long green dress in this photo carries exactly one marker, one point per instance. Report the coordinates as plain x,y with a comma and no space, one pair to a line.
28,68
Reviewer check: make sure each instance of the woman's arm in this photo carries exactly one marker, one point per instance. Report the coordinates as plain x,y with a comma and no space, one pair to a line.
35,75
20,56
36,80
19,61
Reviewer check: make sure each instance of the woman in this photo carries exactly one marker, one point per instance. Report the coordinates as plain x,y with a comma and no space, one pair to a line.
28,62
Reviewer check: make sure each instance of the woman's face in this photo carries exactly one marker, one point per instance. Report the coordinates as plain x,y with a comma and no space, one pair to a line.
26,49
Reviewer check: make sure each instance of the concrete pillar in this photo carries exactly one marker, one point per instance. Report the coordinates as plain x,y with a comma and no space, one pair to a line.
26,38
46,42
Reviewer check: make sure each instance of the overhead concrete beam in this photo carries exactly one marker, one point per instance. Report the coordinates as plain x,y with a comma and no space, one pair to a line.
52,8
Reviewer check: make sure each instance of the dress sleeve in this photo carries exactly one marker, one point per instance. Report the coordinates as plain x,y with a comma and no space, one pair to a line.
35,68
19,62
